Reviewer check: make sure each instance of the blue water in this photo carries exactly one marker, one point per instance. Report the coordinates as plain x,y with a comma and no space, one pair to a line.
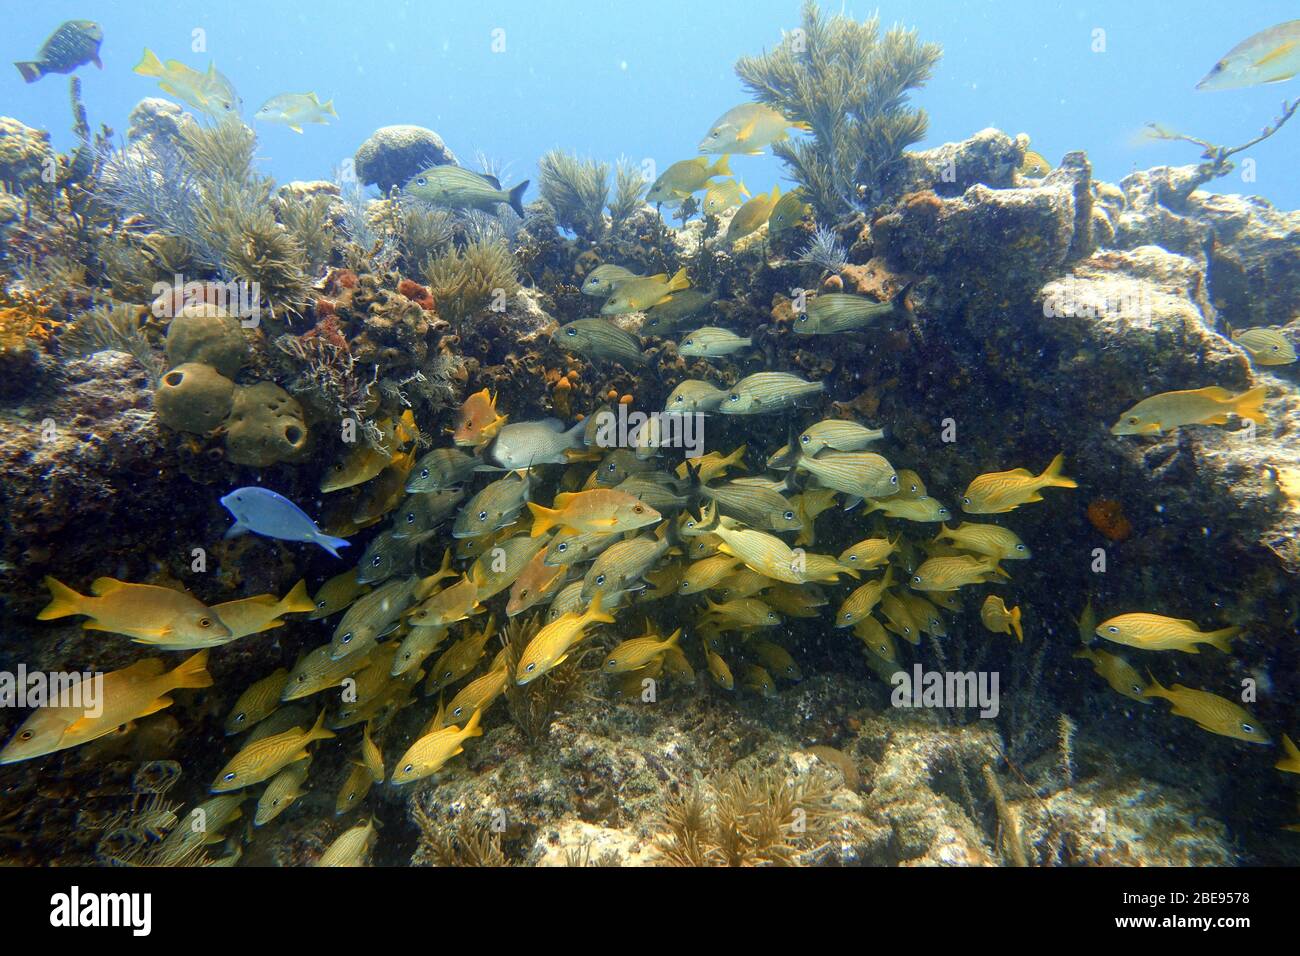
645,81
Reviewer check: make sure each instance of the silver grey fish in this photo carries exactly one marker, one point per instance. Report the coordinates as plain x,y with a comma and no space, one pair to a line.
767,392
599,339
756,505
441,468
692,396
621,566
604,279
576,548
388,555
619,465
458,188
371,616
659,491
496,506
668,315
832,312
711,341
524,444
419,513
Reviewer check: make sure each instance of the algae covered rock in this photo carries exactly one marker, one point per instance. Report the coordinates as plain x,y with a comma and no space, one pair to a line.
393,154
208,334
193,398
265,426
1010,240
989,157
155,119
22,151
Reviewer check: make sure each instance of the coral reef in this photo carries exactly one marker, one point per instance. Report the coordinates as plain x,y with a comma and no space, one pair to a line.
394,154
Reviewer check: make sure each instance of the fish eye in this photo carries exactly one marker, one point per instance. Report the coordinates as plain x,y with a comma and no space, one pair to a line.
852,558
321,605
916,579
570,332
1113,629
805,438
1132,419
204,622
803,317
421,181
600,579
733,397
26,735
482,516
302,678
530,668
789,516
1248,728
965,501
408,768
562,547
229,776
637,509
346,639
458,711
894,480
611,662
376,561
424,472
612,467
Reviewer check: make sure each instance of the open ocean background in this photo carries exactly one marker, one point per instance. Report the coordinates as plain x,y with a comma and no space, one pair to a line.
646,80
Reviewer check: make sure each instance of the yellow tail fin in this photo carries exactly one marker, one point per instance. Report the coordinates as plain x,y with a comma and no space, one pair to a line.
1222,639
1015,624
318,730
1052,477
679,281
1250,404
722,167
472,729
63,601
543,519
149,64
596,613
193,672
297,600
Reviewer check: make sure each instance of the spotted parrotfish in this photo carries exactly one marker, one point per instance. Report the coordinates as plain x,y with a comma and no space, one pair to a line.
272,515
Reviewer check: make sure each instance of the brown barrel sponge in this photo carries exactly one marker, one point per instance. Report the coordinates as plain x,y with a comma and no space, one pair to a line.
205,333
265,426
193,398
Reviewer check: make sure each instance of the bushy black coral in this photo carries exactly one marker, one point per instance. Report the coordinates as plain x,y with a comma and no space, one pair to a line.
850,86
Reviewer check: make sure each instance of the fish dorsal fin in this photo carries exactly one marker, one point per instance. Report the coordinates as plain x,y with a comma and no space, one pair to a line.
496,183
659,277
562,500
1021,473
149,667
102,586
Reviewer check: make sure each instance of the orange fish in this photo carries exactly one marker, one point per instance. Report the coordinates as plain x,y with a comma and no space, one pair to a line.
477,421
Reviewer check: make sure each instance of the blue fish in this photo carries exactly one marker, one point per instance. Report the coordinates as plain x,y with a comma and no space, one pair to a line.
271,515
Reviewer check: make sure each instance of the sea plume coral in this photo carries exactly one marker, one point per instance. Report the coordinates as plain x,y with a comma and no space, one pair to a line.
850,85
576,190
